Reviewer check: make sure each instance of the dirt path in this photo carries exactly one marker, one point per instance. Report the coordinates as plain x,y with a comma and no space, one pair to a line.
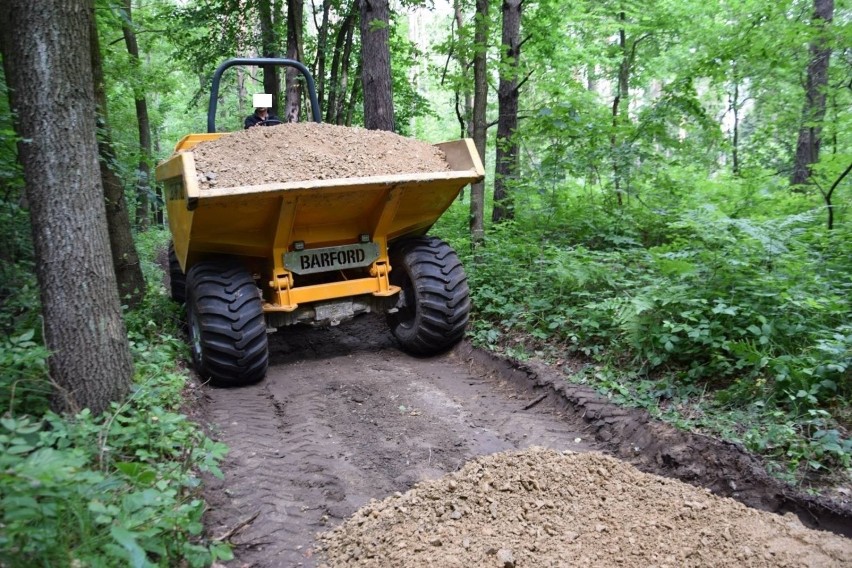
344,420
344,417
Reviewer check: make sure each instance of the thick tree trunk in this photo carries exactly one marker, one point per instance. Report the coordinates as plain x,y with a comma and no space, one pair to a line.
506,156
376,68
143,172
813,113
480,127
269,48
47,61
125,260
295,19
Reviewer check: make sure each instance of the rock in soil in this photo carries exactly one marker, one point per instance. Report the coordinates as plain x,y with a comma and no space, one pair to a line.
539,508
309,151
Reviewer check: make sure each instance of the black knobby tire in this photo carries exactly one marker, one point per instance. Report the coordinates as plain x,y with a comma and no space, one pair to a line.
434,304
177,279
227,330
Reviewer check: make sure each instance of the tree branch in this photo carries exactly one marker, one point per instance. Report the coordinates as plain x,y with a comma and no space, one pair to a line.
524,80
838,180
115,41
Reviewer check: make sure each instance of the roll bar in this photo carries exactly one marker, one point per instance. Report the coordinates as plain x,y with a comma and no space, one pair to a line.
259,61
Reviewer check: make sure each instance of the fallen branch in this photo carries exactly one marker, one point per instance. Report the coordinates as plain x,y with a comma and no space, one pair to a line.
536,401
237,528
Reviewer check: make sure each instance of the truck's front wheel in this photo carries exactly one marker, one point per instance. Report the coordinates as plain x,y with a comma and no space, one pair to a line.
227,331
434,304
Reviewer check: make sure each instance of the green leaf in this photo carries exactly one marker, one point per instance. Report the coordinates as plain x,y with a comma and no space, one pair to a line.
127,540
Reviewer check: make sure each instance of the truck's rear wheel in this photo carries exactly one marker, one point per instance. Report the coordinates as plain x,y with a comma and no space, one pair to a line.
177,279
227,331
434,304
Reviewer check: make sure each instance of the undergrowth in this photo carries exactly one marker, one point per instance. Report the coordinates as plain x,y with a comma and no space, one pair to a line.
734,326
120,489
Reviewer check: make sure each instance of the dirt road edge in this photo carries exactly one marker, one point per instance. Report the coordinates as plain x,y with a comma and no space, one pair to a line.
725,468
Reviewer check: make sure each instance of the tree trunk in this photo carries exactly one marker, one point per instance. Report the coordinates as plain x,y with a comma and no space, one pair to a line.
339,66
47,62
342,111
143,172
462,90
735,134
353,97
269,48
621,98
376,68
813,113
506,156
295,19
125,260
322,48
480,105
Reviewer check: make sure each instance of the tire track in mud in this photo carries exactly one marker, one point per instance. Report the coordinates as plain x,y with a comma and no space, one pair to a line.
344,417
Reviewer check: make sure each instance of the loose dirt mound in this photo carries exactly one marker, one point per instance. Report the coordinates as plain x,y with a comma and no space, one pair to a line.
306,151
545,508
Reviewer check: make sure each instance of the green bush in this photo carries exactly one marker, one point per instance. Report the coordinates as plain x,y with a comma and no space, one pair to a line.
691,299
119,489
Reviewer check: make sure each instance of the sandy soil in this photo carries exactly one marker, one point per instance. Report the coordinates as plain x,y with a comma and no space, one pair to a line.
345,427
306,150
544,508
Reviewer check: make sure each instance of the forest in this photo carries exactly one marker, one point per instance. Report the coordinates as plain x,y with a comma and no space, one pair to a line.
665,216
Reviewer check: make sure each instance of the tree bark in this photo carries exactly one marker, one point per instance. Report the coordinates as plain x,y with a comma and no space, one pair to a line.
506,156
47,62
376,68
813,113
125,260
143,171
295,19
479,122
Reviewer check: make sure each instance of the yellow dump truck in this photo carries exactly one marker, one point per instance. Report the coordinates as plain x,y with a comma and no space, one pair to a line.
248,260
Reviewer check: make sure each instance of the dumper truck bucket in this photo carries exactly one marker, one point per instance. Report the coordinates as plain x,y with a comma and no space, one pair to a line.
268,221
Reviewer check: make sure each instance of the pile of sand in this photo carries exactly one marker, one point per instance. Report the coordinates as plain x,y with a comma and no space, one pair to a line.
541,508
306,151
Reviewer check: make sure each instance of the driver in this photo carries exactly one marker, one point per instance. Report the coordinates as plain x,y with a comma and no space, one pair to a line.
261,115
